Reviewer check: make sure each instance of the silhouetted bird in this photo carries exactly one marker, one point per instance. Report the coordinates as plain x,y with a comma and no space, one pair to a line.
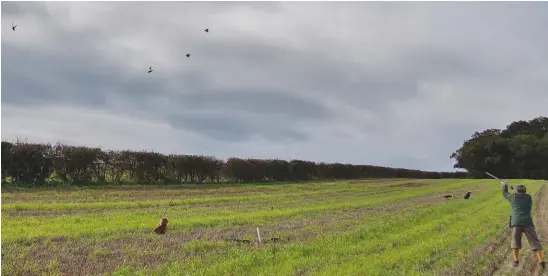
448,196
13,26
206,30
187,55
467,195
150,69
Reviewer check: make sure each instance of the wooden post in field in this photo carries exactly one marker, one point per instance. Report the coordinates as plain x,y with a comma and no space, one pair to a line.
258,234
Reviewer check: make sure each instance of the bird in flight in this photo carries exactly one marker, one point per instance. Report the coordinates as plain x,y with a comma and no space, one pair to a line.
13,26
187,55
206,30
150,69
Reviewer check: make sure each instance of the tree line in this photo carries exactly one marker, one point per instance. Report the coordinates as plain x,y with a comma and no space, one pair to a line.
46,164
518,151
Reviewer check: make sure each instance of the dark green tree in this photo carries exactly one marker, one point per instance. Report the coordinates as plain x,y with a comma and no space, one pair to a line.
519,151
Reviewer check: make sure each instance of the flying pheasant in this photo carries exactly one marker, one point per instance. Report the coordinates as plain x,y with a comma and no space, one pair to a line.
206,30
13,26
187,55
150,69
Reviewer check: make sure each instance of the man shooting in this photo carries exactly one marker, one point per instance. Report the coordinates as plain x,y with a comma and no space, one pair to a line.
521,222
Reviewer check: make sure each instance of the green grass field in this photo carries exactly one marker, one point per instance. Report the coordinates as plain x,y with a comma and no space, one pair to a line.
367,227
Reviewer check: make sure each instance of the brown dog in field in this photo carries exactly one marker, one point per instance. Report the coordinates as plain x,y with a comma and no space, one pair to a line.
162,227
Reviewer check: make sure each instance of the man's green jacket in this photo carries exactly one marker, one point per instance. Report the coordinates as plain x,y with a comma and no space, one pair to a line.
521,208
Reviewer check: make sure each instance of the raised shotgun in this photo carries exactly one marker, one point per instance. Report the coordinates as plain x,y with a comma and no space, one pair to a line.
501,181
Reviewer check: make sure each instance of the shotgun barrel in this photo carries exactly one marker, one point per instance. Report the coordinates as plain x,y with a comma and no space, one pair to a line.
501,181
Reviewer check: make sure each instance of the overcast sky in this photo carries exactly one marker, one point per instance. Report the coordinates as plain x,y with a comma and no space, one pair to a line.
398,84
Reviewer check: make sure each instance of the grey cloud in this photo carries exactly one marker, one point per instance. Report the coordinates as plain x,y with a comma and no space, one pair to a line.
237,115
367,93
34,78
446,65
256,82
19,8
304,71
83,82
285,69
199,7
257,101
434,149
232,127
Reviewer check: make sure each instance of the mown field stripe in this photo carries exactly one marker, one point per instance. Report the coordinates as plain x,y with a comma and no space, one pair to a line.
87,224
186,202
193,191
200,200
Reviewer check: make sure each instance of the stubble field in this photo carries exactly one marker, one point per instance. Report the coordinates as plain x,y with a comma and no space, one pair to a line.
365,227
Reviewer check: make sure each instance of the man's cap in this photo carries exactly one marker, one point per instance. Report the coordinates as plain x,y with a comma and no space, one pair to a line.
521,188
